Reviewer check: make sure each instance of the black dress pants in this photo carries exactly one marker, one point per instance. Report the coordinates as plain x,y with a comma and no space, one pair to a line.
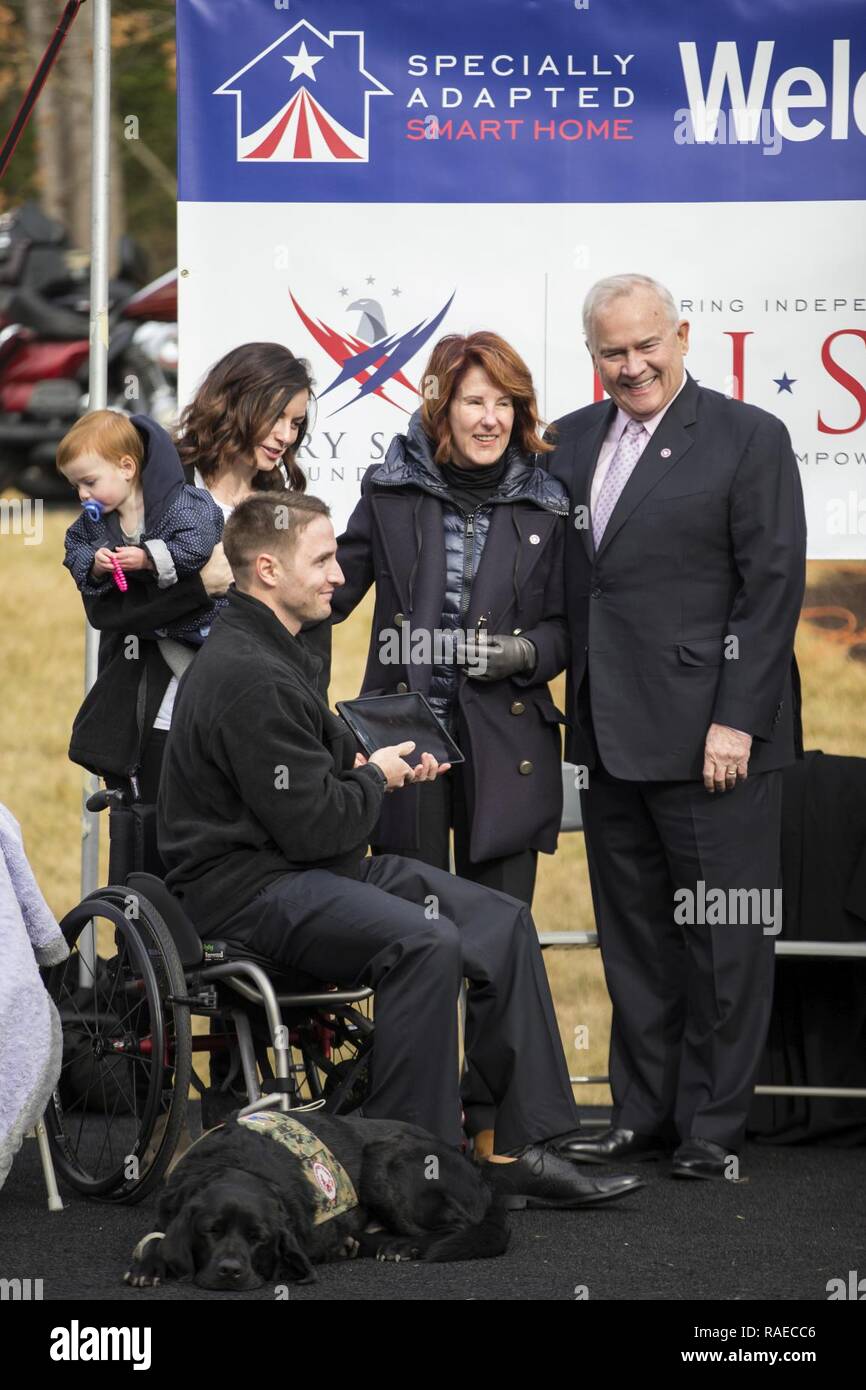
691,1000
442,805
413,933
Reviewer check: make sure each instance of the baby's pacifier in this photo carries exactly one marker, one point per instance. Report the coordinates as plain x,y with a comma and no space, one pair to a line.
92,508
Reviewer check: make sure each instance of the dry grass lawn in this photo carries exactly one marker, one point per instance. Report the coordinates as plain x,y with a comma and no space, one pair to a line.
41,686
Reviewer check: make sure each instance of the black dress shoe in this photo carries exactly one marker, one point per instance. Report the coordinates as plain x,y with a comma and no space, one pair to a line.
699,1158
611,1146
541,1178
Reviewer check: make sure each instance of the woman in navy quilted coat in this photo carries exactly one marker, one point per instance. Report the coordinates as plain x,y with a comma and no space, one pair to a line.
462,533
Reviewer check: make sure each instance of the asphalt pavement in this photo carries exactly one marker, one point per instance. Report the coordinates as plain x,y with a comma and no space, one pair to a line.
792,1223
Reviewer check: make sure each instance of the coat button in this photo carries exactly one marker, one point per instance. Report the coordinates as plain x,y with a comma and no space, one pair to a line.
518,707
402,688
517,631
534,540
595,593
525,767
398,618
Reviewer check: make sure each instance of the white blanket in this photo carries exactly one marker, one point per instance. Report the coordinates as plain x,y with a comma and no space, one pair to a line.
31,1044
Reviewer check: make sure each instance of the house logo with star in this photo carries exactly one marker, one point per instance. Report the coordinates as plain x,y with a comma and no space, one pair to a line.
305,99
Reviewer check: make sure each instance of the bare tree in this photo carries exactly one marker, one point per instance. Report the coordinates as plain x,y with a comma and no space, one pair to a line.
40,18
74,90
63,116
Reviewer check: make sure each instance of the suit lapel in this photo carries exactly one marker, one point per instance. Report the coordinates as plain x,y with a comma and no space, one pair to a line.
395,518
498,553
668,445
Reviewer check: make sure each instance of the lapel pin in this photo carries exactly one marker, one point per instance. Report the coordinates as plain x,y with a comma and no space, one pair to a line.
533,539
665,453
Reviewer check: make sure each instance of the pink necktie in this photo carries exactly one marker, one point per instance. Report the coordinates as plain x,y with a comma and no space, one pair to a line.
628,451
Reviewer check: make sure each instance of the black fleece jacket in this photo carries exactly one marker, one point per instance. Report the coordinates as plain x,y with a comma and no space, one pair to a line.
258,776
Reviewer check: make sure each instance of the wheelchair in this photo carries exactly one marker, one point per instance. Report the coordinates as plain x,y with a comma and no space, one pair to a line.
126,997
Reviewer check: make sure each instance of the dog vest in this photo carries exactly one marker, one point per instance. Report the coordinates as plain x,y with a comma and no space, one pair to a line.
333,1190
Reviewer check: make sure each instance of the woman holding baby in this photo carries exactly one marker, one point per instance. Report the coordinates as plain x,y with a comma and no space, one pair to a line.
239,434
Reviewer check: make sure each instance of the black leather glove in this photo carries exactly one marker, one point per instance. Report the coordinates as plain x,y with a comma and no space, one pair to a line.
498,656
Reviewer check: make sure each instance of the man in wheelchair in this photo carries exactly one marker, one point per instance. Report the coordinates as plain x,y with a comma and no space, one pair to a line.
264,816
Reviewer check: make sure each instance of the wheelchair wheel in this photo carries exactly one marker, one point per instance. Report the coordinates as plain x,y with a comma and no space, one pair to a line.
114,1119
335,1051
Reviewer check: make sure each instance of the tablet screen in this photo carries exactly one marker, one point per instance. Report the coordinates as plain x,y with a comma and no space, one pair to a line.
380,721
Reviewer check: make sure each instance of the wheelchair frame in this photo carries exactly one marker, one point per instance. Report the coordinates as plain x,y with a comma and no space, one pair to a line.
128,1040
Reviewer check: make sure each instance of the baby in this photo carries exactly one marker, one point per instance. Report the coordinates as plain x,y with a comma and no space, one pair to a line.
139,515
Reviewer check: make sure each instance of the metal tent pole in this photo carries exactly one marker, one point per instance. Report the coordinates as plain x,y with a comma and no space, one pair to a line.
98,388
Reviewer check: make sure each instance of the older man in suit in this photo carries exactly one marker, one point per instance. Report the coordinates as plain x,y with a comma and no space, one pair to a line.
685,571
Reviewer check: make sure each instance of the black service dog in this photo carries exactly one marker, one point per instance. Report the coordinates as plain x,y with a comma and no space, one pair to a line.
240,1209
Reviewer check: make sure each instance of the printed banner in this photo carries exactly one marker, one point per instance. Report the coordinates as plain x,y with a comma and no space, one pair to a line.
359,177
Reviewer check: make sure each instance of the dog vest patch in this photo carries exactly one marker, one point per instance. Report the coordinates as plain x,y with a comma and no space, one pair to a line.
333,1190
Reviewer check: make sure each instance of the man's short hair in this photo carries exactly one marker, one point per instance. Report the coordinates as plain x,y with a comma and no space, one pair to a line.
614,287
106,433
265,523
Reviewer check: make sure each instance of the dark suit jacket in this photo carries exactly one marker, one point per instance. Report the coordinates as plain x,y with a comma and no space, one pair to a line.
707,543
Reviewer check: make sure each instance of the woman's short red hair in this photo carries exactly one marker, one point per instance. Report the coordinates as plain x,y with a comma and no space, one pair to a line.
449,361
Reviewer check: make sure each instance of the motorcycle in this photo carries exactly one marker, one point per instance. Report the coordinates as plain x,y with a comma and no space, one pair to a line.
44,345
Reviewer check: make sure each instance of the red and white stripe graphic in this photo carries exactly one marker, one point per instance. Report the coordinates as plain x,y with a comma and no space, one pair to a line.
303,130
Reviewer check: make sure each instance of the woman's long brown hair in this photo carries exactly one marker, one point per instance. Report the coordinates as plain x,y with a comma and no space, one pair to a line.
238,401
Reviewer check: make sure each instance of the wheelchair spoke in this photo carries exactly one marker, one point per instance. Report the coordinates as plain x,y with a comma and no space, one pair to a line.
97,1075
68,1001
98,1162
85,1050
84,1099
118,970
131,1099
81,960
109,1120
